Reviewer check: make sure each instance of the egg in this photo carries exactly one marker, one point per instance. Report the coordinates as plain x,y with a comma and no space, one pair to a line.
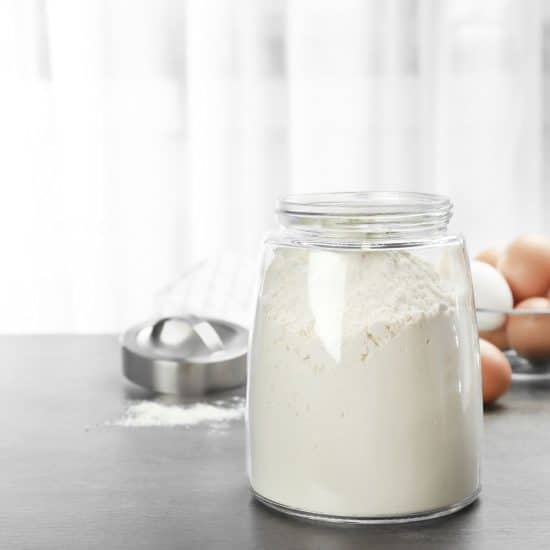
497,337
525,264
489,256
496,372
491,291
529,335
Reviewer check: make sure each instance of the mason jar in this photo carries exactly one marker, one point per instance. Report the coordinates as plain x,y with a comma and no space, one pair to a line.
364,392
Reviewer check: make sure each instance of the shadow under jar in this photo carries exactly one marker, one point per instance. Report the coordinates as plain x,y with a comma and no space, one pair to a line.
364,389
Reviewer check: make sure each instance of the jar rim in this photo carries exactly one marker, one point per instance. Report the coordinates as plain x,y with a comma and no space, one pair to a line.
373,212
363,203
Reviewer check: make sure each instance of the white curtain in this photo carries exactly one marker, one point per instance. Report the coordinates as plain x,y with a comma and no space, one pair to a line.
141,136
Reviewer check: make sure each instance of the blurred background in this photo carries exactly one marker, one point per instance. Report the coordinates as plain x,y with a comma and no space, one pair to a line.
139,137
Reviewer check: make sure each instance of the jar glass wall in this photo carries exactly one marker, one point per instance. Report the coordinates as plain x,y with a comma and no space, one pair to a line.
364,392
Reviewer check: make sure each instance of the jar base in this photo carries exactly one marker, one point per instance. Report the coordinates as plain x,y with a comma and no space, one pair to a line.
369,520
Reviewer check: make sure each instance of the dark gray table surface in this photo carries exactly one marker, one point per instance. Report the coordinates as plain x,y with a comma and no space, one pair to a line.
69,481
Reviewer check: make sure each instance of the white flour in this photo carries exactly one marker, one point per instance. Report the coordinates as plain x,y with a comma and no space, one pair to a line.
151,413
361,401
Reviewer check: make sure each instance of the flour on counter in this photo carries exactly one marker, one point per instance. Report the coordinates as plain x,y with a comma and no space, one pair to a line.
153,413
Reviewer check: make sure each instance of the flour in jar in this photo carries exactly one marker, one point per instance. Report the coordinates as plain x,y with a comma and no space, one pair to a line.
362,402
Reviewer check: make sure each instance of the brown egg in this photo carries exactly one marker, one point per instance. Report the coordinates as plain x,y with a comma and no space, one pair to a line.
489,256
529,335
526,266
496,372
497,337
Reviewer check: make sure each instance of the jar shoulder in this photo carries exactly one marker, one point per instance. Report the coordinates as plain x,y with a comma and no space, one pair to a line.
296,239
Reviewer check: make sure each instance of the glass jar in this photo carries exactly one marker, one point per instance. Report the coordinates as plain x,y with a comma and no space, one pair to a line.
364,389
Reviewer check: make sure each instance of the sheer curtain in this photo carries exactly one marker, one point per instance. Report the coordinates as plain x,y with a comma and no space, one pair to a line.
142,136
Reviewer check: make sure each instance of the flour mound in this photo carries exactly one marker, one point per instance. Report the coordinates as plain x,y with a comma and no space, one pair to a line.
377,294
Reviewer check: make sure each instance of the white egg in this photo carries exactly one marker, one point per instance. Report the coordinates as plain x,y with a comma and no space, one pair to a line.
491,291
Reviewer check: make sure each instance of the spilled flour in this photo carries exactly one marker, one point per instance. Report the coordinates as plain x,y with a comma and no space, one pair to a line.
153,413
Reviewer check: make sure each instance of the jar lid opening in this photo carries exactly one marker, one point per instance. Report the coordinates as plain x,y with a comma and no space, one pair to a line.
366,212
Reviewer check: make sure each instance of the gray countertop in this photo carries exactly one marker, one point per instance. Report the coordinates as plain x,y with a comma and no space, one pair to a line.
69,480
